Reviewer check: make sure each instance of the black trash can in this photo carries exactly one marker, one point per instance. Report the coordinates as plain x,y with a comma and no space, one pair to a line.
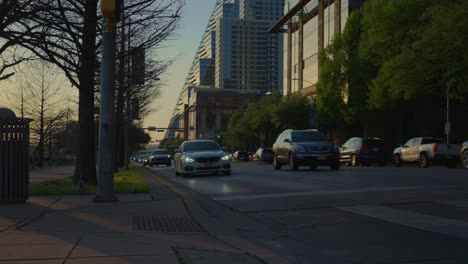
14,157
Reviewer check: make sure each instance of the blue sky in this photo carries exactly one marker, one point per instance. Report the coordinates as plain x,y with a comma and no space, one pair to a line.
184,45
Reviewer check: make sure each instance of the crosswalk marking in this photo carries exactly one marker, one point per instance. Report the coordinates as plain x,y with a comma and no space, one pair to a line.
293,194
450,227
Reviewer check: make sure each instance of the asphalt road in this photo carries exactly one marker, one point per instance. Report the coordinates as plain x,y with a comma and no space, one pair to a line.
354,215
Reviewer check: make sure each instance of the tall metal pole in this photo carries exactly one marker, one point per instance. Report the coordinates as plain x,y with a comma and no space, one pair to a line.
105,187
129,94
447,125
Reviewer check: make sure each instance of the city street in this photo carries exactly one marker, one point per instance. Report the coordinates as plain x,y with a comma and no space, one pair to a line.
355,215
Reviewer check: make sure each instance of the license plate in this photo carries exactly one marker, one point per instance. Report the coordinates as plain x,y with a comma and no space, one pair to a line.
321,158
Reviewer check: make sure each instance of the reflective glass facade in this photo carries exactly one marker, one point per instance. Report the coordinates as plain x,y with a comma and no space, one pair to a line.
333,12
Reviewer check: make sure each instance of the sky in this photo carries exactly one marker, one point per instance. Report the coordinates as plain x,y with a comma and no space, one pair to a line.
183,46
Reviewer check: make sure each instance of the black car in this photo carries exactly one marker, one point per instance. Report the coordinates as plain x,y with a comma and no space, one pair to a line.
160,156
304,148
242,155
364,151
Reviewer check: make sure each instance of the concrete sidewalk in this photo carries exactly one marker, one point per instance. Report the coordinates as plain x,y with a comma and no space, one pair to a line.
50,173
141,228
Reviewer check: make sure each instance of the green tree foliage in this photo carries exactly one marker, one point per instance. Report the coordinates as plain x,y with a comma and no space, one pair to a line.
138,138
293,112
171,144
433,60
392,51
344,77
262,121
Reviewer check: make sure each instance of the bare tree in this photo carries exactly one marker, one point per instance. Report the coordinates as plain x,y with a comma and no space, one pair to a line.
15,25
45,104
67,33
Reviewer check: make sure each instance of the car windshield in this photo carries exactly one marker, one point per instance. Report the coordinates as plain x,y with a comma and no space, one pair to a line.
201,146
160,152
307,136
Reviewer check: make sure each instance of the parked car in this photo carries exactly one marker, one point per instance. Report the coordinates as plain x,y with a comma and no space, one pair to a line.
201,156
304,148
160,156
263,154
241,155
357,151
427,151
464,154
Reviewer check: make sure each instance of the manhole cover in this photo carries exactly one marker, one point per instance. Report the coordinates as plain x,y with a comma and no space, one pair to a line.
165,224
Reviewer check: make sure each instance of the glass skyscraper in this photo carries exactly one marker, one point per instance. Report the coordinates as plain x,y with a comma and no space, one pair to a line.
237,59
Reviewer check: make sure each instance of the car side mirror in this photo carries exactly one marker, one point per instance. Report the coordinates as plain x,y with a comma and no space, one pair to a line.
287,140
405,146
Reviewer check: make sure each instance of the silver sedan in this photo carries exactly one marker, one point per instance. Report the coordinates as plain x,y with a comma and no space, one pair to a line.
201,156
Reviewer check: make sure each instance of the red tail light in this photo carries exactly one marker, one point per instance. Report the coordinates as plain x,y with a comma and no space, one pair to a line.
436,148
365,148
384,148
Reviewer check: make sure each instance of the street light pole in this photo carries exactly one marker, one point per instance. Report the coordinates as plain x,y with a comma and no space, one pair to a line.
105,186
447,124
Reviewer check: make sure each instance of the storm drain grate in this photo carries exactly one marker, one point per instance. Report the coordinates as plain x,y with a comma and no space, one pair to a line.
165,224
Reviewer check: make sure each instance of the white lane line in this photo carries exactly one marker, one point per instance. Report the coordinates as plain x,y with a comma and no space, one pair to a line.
436,224
459,203
293,194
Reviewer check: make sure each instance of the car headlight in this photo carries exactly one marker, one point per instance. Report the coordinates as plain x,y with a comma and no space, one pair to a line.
169,156
226,157
189,159
299,149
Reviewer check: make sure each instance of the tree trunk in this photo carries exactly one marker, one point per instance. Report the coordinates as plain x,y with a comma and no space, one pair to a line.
87,144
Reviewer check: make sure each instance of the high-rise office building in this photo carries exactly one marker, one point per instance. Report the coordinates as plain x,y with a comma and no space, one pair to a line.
237,62
308,27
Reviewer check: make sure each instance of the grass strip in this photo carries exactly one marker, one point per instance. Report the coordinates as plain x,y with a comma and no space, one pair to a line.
125,182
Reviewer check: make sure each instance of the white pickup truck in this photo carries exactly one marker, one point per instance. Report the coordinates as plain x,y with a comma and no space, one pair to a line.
427,151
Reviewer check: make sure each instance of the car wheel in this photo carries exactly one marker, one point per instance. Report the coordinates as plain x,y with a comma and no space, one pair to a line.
335,166
292,162
168,164
397,160
465,159
354,161
276,164
423,161
313,167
